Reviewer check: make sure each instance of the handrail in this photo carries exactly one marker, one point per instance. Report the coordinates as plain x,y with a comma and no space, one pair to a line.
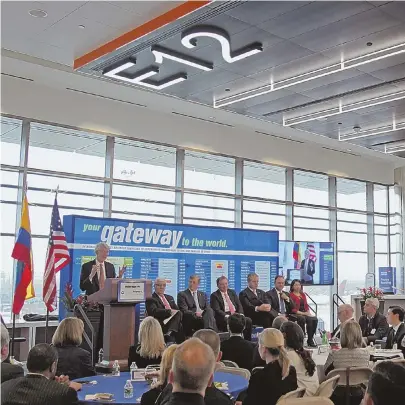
335,298
89,341
316,305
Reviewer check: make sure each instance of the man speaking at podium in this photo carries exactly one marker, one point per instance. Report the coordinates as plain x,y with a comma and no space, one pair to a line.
95,272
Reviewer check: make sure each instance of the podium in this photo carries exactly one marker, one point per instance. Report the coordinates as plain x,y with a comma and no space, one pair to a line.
119,298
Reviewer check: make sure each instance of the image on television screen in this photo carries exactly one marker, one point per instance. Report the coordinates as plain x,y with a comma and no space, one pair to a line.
310,262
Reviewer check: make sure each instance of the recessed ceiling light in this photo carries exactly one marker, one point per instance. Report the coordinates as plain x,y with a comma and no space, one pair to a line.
227,89
369,44
82,27
339,123
38,13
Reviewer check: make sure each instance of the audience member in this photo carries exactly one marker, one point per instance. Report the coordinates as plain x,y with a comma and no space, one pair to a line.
236,348
193,370
39,386
151,344
277,378
374,326
386,385
255,303
302,311
352,354
8,371
73,361
345,312
301,359
396,333
278,321
280,301
162,306
225,302
197,313
150,397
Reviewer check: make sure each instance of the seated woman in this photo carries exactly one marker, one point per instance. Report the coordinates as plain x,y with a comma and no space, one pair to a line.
74,361
151,344
307,375
277,377
302,311
150,397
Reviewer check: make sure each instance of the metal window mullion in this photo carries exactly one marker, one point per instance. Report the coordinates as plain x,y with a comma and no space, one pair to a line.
370,229
108,174
179,193
332,195
238,193
289,196
389,227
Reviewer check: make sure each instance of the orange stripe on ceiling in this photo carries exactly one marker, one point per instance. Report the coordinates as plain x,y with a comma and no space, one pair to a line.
144,29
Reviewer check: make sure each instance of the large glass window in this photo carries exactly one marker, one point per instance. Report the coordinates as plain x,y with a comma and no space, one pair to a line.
10,141
351,194
311,188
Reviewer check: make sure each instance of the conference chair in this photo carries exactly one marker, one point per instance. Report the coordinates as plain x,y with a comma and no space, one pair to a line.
238,371
306,401
298,393
256,369
326,389
229,363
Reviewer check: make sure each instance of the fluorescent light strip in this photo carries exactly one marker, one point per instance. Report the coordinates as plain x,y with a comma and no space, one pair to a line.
345,108
372,132
329,70
399,147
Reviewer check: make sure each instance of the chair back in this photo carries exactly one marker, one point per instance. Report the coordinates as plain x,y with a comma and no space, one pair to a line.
256,369
400,361
352,376
326,389
306,401
238,371
298,393
229,363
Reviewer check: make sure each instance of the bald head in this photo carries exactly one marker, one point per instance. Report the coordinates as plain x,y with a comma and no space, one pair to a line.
345,312
193,367
210,338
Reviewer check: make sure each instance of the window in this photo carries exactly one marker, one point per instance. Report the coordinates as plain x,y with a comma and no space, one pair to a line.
145,163
380,198
8,208
6,274
351,194
311,188
10,141
352,267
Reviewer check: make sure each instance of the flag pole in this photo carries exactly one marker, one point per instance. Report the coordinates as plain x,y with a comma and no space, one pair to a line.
13,336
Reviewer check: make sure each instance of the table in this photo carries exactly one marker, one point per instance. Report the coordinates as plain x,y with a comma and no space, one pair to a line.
115,385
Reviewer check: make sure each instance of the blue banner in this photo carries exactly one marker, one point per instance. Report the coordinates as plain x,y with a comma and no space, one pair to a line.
387,279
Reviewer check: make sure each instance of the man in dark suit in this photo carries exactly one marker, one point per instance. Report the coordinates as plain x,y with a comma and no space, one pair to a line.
374,326
197,313
255,303
280,300
308,269
162,306
40,386
8,371
95,272
236,348
224,303
396,333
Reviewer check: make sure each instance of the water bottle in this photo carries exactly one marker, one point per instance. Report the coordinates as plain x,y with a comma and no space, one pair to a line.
100,356
116,369
324,338
394,346
128,390
133,368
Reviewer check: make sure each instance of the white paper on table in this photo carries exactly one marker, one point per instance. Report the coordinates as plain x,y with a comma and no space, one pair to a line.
165,321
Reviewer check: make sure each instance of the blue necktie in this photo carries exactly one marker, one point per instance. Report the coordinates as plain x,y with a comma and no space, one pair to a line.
282,305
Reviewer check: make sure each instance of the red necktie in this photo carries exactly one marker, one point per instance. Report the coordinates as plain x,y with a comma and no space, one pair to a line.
165,302
102,276
230,305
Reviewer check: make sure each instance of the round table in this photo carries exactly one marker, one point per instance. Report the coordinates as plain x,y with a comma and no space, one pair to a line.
115,385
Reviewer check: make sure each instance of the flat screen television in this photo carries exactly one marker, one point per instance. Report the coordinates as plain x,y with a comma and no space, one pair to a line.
313,263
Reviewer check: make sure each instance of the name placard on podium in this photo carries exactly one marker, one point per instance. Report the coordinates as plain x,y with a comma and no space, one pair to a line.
131,290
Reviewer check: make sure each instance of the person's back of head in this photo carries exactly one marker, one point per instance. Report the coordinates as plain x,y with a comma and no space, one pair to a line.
386,385
351,336
193,367
5,340
69,332
278,321
236,323
43,359
166,365
210,338
151,338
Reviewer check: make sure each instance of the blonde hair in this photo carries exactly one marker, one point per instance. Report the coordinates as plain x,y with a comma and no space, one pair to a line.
273,340
69,332
351,336
165,365
151,338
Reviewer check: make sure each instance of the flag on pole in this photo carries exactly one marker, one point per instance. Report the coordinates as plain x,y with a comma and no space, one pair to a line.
22,252
296,255
57,257
312,251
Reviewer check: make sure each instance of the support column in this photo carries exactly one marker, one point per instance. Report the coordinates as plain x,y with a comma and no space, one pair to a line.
108,174
289,197
179,196
239,193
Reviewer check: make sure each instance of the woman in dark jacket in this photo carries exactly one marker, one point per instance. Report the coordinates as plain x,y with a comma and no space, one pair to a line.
73,361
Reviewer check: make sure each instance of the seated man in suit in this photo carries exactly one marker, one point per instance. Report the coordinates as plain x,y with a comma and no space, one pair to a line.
280,300
162,306
236,348
8,371
225,302
255,303
374,326
396,333
344,313
197,313
40,386
94,273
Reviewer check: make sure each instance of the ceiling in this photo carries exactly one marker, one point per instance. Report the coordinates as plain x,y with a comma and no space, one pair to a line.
300,41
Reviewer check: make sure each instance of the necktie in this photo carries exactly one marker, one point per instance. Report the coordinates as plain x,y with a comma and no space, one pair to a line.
102,276
165,302
197,304
282,305
230,305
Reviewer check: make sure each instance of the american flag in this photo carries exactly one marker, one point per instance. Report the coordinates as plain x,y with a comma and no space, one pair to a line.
57,257
312,252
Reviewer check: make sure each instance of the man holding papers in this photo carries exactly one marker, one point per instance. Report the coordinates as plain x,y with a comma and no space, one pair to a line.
163,307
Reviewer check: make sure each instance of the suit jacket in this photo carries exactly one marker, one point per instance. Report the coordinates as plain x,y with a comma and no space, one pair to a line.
36,390
250,301
239,350
378,323
74,362
156,308
397,338
311,267
186,303
10,371
336,332
93,286
275,303
218,304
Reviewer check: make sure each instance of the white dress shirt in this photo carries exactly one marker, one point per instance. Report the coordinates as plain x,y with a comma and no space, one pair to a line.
226,306
100,267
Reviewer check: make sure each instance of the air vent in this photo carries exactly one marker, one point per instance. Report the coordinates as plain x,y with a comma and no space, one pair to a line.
279,137
202,119
17,77
104,97
340,151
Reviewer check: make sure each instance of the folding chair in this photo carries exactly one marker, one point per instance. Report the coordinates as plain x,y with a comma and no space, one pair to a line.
306,401
229,363
238,371
256,369
327,387
298,393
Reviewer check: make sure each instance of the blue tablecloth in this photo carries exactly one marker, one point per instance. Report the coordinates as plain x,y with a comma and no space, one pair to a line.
115,385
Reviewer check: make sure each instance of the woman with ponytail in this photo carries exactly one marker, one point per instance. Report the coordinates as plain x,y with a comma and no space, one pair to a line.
277,377
307,375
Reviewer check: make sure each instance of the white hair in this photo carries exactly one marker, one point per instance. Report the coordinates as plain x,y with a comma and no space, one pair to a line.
374,302
101,245
5,337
